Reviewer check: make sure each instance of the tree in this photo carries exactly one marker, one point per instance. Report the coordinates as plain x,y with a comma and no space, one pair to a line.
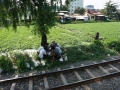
42,12
110,10
63,8
79,10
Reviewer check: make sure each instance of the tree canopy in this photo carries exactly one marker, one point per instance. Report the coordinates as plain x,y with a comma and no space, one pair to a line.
111,10
41,12
79,10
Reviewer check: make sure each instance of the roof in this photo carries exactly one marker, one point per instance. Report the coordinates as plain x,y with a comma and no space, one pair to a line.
93,12
100,15
76,14
60,13
80,17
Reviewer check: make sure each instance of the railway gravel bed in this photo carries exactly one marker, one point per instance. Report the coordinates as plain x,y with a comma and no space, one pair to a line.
54,80
38,84
96,71
70,77
5,86
83,74
22,85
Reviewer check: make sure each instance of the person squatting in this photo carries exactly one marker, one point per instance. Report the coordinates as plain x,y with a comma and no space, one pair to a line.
53,51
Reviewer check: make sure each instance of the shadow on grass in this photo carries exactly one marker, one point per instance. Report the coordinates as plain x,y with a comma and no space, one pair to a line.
75,53
94,51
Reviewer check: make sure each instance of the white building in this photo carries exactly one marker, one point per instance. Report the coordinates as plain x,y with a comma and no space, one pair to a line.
74,4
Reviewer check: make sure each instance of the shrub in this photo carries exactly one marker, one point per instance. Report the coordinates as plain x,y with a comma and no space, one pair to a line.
77,22
98,43
22,67
114,45
20,61
6,64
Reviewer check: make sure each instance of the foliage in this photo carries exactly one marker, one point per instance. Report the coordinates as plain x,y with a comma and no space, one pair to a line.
76,38
79,10
41,12
21,66
114,45
63,8
98,43
6,64
111,10
21,61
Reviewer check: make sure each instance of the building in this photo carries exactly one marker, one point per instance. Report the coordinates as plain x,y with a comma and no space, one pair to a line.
74,4
94,15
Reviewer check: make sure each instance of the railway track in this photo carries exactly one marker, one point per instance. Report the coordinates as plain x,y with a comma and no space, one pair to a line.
30,81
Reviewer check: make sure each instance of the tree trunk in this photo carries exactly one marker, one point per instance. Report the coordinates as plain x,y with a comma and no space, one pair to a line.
96,36
44,40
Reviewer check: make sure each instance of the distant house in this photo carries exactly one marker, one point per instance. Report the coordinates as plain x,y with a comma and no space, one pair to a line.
64,12
94,15
79,17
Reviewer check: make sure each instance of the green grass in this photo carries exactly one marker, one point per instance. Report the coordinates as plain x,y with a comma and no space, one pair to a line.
69,36
109,30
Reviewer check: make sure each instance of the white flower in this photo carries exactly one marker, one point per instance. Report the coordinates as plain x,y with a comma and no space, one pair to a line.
42,62
79,49
108,55
31,67
61,59
28,65
92,54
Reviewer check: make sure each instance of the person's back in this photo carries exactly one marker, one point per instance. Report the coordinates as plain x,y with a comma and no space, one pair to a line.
40,48
57,52
41,51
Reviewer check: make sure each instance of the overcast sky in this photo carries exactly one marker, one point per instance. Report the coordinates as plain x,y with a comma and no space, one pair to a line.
99,4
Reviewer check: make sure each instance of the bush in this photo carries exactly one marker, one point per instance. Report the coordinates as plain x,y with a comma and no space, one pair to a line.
21,60
114,45
22,67
76,22
98,43
6,64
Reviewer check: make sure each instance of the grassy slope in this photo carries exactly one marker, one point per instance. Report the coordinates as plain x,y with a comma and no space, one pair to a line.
72,39
110,30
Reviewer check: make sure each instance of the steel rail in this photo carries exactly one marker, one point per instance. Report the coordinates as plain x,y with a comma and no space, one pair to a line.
87,81
61,71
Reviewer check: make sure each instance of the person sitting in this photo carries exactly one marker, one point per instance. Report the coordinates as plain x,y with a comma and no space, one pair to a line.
41,51
47,49
55,52
56,43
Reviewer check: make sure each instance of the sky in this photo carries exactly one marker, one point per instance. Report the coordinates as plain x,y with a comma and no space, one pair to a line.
98,4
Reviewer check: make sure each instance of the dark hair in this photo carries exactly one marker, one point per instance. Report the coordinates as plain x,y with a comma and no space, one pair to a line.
52,46
53,41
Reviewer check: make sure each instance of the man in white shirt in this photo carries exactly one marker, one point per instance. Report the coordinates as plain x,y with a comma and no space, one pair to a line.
41,51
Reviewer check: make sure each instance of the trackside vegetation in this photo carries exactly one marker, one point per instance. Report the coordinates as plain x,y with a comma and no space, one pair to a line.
76,38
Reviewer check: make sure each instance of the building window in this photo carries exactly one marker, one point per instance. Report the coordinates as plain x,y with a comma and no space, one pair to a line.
92,17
